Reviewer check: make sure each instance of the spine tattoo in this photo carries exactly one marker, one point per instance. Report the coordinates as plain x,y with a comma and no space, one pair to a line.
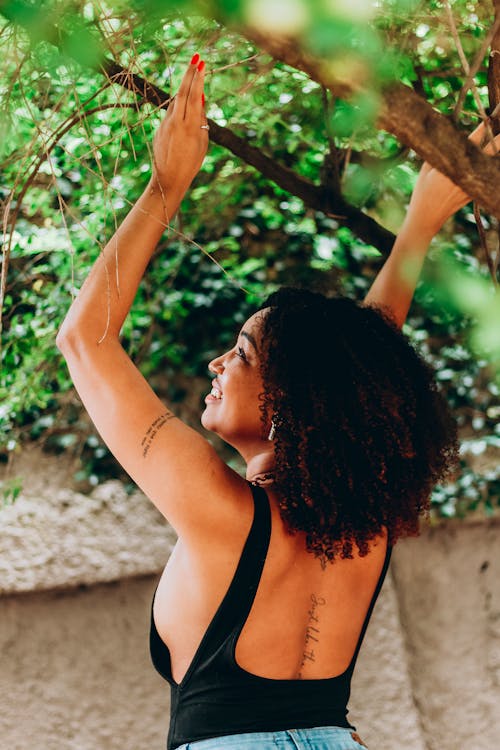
312,632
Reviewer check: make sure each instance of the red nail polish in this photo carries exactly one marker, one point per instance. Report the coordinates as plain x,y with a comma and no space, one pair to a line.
194,59
203,100
201,65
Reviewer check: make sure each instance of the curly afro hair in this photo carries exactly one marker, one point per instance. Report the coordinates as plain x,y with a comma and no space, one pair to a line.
362,433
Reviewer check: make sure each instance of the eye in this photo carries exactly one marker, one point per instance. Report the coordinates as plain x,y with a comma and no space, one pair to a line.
241,353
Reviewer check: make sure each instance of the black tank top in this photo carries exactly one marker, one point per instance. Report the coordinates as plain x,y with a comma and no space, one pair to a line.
217,697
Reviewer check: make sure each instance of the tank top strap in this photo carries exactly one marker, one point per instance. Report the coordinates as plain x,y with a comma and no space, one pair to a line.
237,603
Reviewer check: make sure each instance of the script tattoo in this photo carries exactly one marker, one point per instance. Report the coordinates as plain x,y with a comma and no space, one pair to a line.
312,631
153,430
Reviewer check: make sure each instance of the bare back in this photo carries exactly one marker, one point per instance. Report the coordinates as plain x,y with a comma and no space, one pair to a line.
305,621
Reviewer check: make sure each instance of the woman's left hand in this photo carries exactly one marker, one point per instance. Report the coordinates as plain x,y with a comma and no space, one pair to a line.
180,143
435,197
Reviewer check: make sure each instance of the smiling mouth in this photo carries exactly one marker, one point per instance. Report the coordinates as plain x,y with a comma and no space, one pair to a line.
216,391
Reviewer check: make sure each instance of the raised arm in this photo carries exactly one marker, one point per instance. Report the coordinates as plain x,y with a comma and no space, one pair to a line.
172,463
435,198
179,149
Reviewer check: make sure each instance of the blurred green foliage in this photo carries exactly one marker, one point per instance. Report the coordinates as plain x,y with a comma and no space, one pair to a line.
92,144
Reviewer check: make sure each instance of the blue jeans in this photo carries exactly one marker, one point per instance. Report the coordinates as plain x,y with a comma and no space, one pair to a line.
317,738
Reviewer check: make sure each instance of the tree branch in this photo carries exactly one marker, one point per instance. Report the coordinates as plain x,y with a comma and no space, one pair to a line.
402,113
320,198
494,99
494,70
411,119
470,71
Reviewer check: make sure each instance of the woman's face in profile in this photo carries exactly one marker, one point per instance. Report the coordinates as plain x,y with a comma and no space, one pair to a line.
232,408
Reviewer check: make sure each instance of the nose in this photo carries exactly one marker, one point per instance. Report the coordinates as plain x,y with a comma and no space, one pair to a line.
217,365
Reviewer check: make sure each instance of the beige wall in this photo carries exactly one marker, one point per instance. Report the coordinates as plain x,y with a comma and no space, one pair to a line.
448,587
76,580
75,672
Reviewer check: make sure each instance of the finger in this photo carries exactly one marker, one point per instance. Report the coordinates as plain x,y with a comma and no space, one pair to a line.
425,168
483,136
187,80
422,175
493,147
194,105
170,109
478,133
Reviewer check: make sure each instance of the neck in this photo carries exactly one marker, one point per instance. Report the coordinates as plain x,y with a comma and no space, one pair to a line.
260,466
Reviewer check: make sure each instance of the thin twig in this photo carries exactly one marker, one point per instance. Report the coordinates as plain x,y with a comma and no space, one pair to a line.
484,243
489,135
252,81
12,219
476,64
331,159
466,67
237,63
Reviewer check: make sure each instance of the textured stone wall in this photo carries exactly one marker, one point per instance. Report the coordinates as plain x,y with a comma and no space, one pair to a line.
63,538
448,587
382,706
75,671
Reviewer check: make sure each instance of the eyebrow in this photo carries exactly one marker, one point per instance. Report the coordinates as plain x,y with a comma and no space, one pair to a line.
250,338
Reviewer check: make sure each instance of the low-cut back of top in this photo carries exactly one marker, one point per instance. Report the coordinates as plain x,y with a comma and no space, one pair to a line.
216,696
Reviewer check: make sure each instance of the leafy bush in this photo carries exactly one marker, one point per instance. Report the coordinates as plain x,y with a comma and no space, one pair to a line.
74,154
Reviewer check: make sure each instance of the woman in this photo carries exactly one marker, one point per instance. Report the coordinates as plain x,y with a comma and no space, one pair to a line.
260,612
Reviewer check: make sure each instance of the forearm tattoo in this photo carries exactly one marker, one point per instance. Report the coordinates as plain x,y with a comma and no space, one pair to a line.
153,431
312,631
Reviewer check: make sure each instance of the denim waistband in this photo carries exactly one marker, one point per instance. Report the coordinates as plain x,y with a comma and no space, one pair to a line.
315,738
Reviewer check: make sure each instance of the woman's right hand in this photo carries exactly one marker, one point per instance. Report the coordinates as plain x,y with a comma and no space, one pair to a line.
180,143
435,197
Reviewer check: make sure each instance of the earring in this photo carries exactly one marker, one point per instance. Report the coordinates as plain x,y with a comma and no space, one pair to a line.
272,431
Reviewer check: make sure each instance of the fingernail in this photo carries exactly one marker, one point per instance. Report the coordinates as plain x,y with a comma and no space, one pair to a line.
201,65
203,100
194,59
